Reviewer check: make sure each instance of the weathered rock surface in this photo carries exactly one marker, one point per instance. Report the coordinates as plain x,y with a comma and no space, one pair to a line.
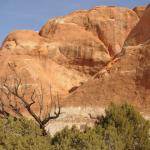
139,10
37,70
111,25
127,80
77,43
141,32
51,62
23,39
69,50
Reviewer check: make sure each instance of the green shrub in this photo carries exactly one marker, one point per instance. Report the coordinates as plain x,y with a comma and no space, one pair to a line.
73,139
22,134
130,126
122,128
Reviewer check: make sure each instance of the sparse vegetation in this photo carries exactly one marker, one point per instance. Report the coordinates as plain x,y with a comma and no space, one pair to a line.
122,128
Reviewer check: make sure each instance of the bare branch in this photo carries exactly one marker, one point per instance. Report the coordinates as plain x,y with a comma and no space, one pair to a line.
57,112
18,94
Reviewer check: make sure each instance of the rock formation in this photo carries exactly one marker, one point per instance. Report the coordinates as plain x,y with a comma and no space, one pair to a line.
111,25
69,50
82,57
141,32
139,10
126,79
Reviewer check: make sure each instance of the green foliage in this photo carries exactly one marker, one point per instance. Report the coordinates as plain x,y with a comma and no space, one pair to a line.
131,127
73,139
122,128
21,134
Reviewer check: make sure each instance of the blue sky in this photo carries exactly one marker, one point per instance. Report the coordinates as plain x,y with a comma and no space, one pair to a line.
33,14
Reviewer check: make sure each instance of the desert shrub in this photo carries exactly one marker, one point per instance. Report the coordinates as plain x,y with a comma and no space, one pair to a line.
130,126
21,134
73,139
121,128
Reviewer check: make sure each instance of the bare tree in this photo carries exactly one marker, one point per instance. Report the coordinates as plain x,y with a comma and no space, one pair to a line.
16,95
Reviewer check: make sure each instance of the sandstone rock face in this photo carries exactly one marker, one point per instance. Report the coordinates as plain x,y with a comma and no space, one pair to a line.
36,59
23,39
110,25
57,63
70,49
125,80
37,70
83,51
139,10
141,32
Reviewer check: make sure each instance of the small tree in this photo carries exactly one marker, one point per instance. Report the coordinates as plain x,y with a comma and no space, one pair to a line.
16,94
